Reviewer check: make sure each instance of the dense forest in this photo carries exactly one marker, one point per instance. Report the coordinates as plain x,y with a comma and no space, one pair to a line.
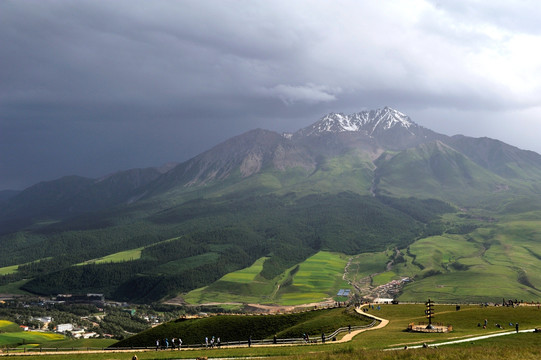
194,244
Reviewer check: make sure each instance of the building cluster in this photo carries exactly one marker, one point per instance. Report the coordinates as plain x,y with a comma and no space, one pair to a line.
391,289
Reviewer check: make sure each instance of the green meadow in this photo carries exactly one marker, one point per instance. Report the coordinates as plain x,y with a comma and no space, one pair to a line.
9,270
314,280
494,260
318,278
128,255
369,344
14,288
11,335
488,264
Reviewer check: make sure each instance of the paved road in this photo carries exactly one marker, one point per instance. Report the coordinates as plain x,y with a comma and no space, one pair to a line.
470,339
383,323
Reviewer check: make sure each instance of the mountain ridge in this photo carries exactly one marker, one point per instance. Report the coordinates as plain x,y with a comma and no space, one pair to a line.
261,195
308,152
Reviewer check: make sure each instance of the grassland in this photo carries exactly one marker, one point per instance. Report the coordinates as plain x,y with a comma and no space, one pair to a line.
494,260
233,328
316,279
11,335
488,264
9,270
368,345
128,255
14,288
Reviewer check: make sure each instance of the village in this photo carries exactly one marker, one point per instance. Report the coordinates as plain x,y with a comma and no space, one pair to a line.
84,316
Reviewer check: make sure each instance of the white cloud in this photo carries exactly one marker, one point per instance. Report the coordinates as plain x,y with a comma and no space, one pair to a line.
309,93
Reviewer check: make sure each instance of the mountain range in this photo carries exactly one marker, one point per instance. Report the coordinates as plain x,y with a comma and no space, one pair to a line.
388,151
348,162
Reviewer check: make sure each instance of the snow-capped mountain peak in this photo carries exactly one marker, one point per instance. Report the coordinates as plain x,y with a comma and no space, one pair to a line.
368,122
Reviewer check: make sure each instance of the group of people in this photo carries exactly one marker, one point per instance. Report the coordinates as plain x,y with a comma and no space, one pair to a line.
212,342
164,344
499,326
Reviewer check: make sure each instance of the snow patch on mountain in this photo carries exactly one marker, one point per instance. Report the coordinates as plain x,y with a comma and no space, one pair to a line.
367,121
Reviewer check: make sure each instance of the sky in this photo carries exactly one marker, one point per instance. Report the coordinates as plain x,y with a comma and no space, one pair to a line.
92,87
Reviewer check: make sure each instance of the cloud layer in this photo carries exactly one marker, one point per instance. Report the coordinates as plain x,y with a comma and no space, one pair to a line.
89,87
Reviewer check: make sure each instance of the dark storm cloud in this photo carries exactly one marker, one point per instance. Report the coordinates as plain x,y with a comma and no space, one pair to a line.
89,87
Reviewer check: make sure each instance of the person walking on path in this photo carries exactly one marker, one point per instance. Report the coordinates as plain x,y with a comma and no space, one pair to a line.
516,327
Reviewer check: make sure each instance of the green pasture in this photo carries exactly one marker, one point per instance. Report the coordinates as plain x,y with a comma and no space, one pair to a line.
12,336
318,278
6,270
14,288
438,252
496,261
178,266
8,326
368,345
242,286
247,275
383,278
464,323
128,255
80,343
14,339
366,264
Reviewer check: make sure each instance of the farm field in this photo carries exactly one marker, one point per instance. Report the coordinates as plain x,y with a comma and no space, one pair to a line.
316,279
12,336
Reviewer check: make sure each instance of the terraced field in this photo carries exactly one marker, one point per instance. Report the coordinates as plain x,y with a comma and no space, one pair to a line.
316,279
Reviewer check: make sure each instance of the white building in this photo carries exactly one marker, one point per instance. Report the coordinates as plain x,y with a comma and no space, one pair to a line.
62,328
383,301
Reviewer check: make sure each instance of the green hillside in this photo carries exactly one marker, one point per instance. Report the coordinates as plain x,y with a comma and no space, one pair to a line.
247,220
194,244
241,327
436,171
495,261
